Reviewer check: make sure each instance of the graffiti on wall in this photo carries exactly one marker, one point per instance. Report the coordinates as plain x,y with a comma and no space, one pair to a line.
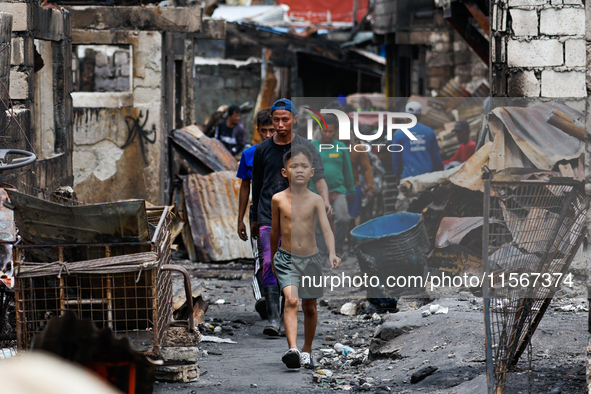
136,130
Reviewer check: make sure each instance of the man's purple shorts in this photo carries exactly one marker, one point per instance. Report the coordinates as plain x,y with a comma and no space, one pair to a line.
265,256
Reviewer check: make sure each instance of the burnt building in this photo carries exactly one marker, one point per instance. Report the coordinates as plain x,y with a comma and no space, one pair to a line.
36,84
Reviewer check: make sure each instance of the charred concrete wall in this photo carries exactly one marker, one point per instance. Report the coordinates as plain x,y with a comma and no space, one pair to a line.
225,81
446,56
39,87
538,48
121,137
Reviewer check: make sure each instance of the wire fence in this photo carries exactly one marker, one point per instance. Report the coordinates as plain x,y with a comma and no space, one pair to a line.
538,228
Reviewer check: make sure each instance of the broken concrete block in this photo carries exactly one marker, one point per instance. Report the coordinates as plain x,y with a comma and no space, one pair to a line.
19,85
180,336
102,72
177,373
536,53
575,53
563,84
394,328
121,58
524,84
520,3
105,84
18,51
422,374
562,22
524,22
383,349
101,59
125,71
180,355
123,84
22,18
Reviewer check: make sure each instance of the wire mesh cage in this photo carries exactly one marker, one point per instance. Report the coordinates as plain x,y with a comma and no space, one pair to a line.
117,285
535,229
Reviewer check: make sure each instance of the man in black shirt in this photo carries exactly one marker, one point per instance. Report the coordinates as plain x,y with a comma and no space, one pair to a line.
231,132
266,181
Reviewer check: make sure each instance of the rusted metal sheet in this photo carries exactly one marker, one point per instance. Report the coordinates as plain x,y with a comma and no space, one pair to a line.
203,154
212,209
44,222
542,144
7,227
470,173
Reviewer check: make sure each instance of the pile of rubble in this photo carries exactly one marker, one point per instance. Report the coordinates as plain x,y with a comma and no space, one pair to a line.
179,353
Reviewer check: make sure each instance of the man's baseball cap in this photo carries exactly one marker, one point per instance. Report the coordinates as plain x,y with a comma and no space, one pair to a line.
462,125
284,104
413,107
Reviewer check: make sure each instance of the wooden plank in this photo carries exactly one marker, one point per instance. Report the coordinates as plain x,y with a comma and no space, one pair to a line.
497,153
566,170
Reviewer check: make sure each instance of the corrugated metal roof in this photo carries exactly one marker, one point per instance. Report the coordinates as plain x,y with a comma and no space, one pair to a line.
522,139
202,153
212,209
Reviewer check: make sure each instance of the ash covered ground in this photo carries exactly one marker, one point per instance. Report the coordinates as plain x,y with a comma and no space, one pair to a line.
389,347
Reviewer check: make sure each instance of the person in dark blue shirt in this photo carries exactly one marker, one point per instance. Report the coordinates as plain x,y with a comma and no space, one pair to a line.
417,157
265,129
231,132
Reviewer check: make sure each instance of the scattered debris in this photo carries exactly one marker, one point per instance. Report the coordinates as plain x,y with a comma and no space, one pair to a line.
324,372
208,338
422,374
201,154
436,309
573,308
340,348
180,355
230,277
349,309
45,222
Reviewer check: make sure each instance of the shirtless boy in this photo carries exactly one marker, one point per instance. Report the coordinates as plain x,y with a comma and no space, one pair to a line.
294,213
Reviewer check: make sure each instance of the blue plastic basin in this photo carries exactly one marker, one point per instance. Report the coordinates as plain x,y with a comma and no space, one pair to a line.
385,226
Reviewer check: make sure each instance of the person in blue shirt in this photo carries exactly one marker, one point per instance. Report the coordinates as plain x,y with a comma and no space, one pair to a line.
265,129
417,157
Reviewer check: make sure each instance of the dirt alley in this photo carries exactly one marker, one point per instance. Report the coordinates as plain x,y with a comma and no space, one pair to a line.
452,342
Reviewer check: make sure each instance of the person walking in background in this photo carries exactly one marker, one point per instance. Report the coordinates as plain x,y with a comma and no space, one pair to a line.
417,157
339,179
467,146
265,129
231,132
361,169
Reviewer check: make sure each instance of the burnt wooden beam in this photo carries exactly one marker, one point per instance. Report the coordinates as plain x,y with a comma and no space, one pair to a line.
478,15
475,40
